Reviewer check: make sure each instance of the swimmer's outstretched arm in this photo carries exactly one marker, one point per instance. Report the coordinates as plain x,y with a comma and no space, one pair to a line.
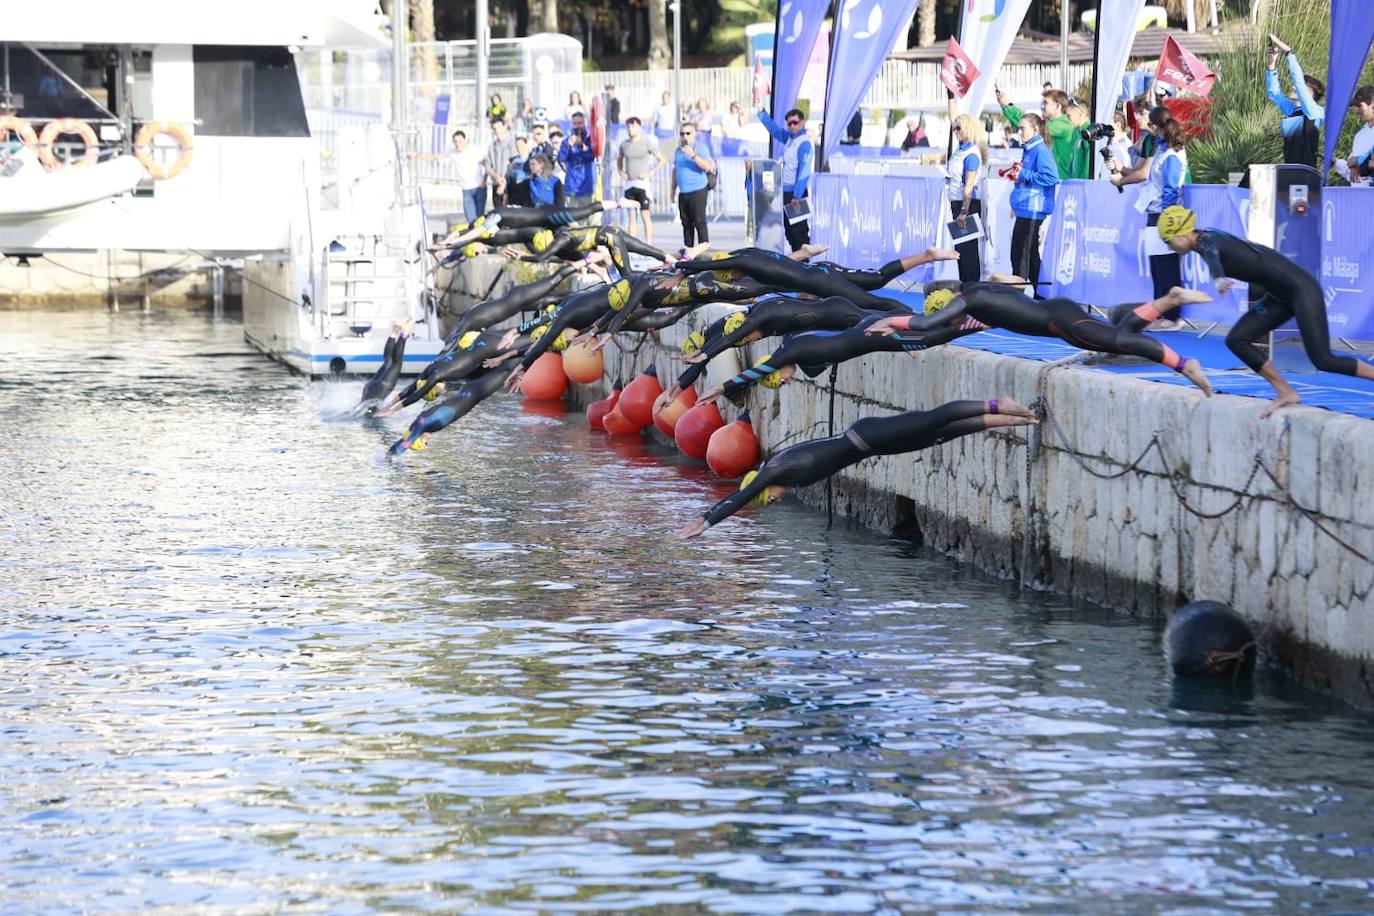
765,480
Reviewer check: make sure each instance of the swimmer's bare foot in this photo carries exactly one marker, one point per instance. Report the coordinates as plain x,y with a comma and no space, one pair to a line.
809,250
1192,371
1287,399
1013,408
692,530
696,251
1180,296
941,254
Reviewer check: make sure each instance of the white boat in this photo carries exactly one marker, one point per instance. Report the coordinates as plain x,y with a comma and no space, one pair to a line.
326,271
32,192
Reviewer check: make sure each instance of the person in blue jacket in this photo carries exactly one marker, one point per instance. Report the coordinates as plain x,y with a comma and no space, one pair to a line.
579,163
798,154
1032,199
1301,113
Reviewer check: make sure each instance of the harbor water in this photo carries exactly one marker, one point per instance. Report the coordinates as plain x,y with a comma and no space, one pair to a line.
247,664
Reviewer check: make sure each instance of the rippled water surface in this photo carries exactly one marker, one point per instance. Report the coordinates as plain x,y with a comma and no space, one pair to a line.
246,665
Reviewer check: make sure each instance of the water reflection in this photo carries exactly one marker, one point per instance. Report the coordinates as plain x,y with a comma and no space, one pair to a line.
248,667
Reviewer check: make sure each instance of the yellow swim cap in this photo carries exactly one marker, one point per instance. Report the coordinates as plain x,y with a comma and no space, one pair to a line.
618,294
472,249
542,240
551,308
694,342
938,300
772,379
460,227
1176,221
434,392
565,337
417,446
762,499
467,340
733,321
538,333
718,255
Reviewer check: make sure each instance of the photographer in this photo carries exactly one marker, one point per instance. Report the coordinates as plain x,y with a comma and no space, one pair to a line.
1301,114
1163,173
579,163
691,184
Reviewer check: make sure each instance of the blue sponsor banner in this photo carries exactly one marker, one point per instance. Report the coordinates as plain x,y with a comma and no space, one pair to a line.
1347,268
868,220
1352,31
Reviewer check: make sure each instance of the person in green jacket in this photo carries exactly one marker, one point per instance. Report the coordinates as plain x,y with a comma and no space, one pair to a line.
1059,130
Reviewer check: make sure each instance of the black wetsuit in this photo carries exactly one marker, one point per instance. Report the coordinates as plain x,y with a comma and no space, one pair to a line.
519,299
545,217
461,362
1289,292
779,315
997,306
581,309
573,243
810,462
386,377
814,351
696,289
782,272
865,279
464,398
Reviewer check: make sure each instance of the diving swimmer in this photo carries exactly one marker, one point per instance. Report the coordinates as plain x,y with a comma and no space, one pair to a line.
1290,292
811,462
393,356
524,297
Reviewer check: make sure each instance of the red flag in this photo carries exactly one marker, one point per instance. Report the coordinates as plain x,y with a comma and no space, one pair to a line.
761,88
1184,69
957,71
596,126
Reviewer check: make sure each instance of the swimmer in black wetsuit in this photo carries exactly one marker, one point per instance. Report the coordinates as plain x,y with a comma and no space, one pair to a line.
1290,292
814,351
784,273
994,305
811,462
877,279
466,360
575,243
524,218
466,396
522,298
579,310
385,378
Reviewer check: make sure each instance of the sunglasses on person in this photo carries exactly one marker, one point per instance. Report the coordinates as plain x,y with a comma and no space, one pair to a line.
793,122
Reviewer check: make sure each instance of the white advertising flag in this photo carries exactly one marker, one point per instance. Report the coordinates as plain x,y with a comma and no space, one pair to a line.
989,27
1117,24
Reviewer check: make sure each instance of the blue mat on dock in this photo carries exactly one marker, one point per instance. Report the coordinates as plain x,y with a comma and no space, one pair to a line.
1227,374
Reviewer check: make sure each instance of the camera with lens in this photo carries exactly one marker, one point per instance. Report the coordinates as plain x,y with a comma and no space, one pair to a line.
1094,132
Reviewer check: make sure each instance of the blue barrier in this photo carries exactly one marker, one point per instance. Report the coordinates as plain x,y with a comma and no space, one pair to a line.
1347,246
867,220
1097,245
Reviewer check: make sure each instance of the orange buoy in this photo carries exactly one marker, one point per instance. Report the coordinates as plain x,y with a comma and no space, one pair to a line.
597,410
582,364
617,424
733,449
637,403
545,380
666,418
694,429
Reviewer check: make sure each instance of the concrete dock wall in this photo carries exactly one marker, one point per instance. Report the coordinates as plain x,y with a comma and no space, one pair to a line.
1134,494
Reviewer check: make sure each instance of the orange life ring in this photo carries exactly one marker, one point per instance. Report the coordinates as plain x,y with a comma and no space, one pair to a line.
13,124
54,129
143,148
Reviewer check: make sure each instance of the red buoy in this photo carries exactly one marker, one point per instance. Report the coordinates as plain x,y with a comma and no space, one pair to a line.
582,364
597,410
666,418
733,449
545,381
637,403
617,424
694,429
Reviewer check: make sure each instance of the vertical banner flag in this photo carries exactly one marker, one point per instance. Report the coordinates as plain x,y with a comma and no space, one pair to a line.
1184,69
987,31
862,37
1116,21
957,71
761,88
1352,32
798,24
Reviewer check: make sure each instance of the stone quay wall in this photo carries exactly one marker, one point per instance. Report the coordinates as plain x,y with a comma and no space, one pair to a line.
1137,495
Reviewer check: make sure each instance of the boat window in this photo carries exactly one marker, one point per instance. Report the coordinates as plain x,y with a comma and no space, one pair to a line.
41,93
248,92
